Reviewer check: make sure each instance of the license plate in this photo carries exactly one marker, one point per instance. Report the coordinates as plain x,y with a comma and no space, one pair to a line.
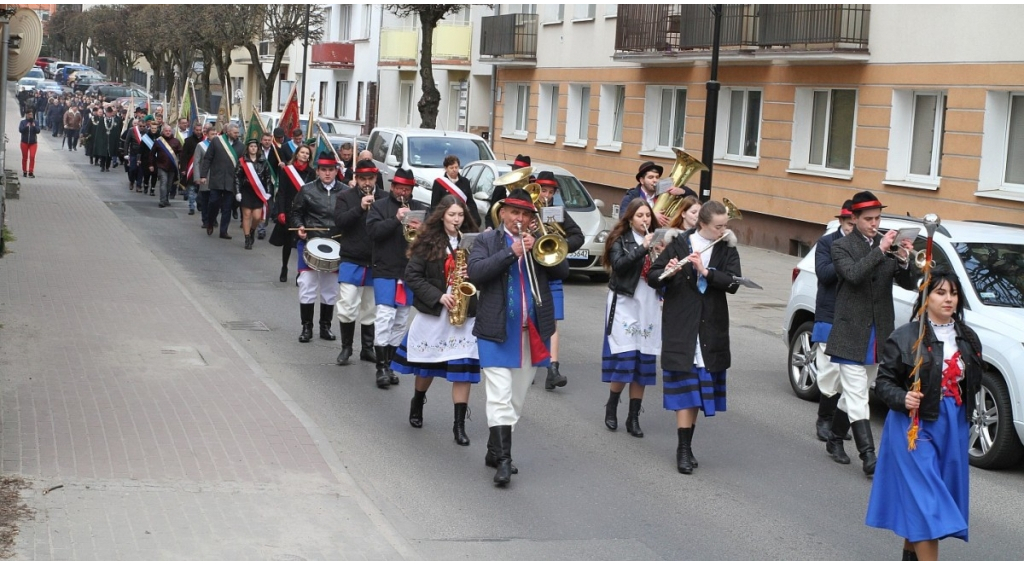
580,254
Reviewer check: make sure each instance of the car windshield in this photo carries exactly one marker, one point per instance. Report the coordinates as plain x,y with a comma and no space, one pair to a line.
429,152
35,73
571,194
996,271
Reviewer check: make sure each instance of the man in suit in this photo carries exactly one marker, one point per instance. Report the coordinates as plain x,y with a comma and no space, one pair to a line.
217,170
864,317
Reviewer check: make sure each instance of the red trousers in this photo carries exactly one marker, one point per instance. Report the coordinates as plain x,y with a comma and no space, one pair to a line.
28,157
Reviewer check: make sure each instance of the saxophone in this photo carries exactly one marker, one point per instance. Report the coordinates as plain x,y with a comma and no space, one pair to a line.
461,290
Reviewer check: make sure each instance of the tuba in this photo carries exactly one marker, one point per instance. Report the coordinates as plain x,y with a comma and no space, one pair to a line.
462,290
511,180
684,167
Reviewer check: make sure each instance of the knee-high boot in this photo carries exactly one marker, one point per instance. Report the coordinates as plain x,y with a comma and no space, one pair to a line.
826,411
503,441
366,337
493,453
392,377
383,380
326,319
865,445
834,446
348,332
306,313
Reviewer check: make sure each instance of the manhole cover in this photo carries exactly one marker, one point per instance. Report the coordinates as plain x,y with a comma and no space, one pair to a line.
245,326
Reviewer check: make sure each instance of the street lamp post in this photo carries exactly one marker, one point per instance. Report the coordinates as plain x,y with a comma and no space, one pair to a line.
305,61
711,108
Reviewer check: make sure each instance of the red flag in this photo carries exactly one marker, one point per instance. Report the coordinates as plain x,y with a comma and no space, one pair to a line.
290,116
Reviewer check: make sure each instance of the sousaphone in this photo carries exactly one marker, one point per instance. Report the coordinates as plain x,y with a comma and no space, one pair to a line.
26,31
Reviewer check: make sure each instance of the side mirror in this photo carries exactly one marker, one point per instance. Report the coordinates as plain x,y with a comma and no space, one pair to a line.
599,203
392,161
482,196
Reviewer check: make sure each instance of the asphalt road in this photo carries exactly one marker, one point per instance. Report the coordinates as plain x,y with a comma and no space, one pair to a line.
764,490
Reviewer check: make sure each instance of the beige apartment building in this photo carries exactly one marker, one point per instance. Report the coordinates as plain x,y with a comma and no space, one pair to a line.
921,104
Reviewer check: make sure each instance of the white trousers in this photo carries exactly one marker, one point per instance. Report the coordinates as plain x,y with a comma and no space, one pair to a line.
828,372
390,325
506,388
856,380
314,284
353,300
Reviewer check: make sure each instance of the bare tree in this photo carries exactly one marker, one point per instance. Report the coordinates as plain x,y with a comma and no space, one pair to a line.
283,25
429,15
221,28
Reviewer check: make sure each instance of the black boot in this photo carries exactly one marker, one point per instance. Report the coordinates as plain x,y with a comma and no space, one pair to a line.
865,445
503,443
909,556
826,410
683,462
611,416
459,428
555,378
366,336
248,242
491,458
834,446
326,319
416,408
284,274
693,459
392,377
383,381
348,331
306,312
633,419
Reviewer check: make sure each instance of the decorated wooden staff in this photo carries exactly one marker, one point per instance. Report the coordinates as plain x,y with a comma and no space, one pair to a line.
931,223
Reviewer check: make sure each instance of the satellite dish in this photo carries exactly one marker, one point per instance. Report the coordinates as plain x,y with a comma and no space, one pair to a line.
26,40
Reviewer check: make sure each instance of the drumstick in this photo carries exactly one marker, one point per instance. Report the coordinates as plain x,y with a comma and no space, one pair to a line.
310,228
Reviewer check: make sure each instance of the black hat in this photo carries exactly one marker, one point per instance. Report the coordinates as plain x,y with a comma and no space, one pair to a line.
365,166
865,201
647,167
518,198
547,178
522,161
326,160
278,132
846,211
404,177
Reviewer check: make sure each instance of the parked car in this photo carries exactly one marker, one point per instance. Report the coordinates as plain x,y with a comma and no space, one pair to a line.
50,87
31,79
82,70
54,67
989,260
85,81
42,62
359,143
423,151
571,194
110,92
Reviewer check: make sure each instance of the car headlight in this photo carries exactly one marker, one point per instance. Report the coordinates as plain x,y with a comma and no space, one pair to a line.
422,183
601,237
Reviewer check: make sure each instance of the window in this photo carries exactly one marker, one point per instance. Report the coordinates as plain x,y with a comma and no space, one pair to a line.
1002,146
359,101
664,119
823,130
554,13
611,10
283,91
517,104
340,98
322,102
583,11
398,150
739,121
915,138
547,113
609,120
344,21
406,104
577,123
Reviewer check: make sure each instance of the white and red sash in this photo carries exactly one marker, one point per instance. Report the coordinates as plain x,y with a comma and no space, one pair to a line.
452,188
137,134
254,180
293,175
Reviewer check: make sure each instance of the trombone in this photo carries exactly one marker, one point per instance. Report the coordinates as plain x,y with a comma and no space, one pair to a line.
531,273
551,248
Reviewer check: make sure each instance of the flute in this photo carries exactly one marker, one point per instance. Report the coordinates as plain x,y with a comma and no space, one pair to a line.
672,270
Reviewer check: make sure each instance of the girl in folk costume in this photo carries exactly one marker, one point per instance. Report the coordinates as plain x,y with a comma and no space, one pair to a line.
434,347
695,321
293,177
921,493
632,336
253,187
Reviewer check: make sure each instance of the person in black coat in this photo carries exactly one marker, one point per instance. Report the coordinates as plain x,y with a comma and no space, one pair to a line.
695,350
253,189
291,179
453,183
386,223
217,169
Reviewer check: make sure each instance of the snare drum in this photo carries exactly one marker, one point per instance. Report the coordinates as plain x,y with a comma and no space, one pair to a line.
322,254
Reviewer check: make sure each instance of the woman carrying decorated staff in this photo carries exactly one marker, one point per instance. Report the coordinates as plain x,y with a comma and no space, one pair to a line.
632,336
434,347
293,177
922,493
253,188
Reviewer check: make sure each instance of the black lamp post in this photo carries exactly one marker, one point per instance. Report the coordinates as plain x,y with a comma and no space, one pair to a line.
305,65
711,108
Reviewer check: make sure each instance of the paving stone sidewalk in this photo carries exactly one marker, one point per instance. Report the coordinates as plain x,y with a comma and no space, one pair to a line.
168,440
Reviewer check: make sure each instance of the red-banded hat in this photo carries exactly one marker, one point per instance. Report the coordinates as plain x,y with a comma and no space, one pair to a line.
366,167
326,160
518,198
846,212
403,177
864,201
547,178
522,161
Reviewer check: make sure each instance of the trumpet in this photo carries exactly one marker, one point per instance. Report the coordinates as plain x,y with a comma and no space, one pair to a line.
408,232
919,257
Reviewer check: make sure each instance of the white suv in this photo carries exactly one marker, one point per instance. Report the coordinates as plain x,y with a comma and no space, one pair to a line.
422,151
989,260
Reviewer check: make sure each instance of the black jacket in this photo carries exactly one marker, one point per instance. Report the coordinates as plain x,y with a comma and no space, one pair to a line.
627,261
286,191
489,263
898,361
314,206
428,283
828,280
350,218
438,191
687,313
262,172
389,244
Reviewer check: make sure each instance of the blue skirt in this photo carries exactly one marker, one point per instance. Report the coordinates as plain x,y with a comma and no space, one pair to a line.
923,494
461,370
629,367
557,299
699,388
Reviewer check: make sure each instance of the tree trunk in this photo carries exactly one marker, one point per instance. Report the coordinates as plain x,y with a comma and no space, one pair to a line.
431,99
204,79
261,79
268,86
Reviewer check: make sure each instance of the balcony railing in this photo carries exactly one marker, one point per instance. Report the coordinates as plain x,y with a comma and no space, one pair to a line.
673,28
453,40
333,56
509,37
399,44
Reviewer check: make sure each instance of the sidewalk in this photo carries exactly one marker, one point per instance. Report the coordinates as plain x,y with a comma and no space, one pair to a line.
170,441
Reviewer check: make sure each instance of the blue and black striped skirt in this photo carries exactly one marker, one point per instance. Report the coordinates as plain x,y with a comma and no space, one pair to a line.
629,366
699,388
460,370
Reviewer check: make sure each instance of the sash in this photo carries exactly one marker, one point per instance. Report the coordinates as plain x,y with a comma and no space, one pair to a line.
293,175
254,180
147,141
188,169
161,143
452,188
205,143
137,134
180,136
292,146
229,149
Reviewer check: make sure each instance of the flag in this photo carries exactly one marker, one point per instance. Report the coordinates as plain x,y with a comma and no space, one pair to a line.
273,148
290,115
189,110
255,128
323,145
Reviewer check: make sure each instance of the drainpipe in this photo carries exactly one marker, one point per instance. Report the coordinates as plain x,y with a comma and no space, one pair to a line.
494,104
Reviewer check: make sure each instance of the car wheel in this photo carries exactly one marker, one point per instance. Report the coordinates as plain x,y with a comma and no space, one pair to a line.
993,440
803,374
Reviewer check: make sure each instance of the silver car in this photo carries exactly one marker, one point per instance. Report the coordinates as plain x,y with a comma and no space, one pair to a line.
577,201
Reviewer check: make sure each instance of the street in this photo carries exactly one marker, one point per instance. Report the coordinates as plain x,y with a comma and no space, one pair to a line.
765,488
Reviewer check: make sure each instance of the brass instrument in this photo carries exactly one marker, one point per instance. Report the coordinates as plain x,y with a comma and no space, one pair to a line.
408,232
733,213
684,167
530,272
519,178
462,290
550,248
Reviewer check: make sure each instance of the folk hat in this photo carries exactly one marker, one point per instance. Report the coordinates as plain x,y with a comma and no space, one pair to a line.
646,167
547,178
846,212
518,198
365,167
326,160
864,201
403,177
522,161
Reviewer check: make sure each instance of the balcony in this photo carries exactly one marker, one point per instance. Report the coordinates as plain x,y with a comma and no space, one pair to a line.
453,42
665,32
511,38
333,56
399,46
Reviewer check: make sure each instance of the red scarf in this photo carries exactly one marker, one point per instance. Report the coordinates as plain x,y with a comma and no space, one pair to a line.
950,378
